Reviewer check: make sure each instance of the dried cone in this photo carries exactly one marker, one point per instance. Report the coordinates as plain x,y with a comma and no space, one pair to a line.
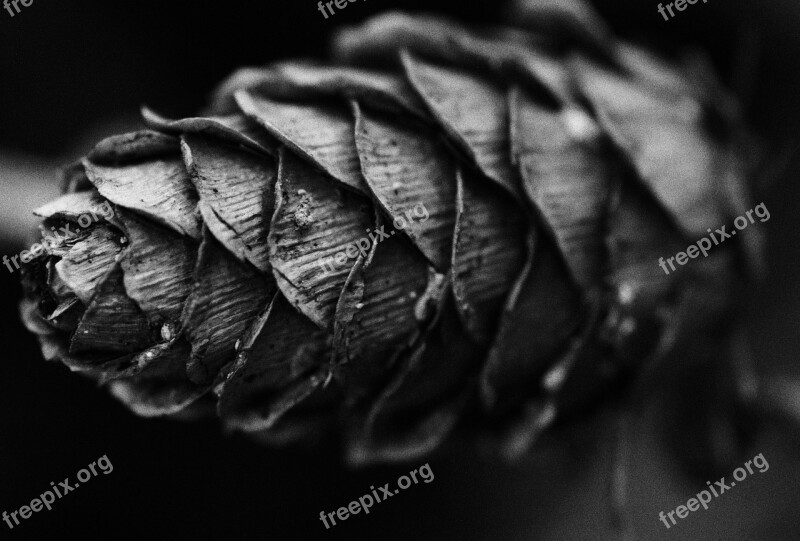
445,230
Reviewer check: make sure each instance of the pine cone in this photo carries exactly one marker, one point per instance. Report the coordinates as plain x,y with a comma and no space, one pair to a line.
447,230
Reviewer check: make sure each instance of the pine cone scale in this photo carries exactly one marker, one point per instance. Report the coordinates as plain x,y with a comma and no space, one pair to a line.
474,113
313,225
161,189
226,296
236,190
158,267
567,178
407,170
321,133
488,251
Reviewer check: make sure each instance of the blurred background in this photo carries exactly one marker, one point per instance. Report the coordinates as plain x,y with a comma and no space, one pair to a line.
71,73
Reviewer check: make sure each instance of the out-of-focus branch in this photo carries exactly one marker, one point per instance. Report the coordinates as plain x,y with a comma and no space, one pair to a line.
26,182
780,396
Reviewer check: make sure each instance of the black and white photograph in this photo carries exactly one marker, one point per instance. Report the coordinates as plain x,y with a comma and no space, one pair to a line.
400,270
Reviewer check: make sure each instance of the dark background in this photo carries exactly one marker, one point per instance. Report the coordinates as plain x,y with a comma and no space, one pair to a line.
73,72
